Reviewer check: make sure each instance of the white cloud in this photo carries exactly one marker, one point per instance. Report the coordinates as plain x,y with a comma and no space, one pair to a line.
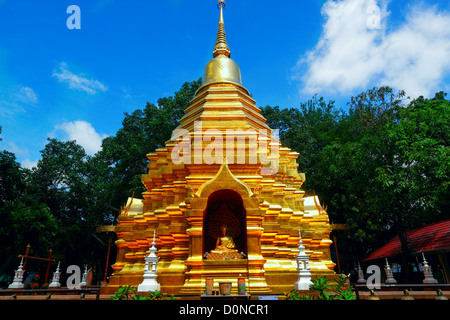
27,163
84,134
21,153
27,95
11,146
16,100
352,55
79,82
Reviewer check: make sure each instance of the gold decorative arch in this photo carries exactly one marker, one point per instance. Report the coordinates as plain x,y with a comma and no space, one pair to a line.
221,180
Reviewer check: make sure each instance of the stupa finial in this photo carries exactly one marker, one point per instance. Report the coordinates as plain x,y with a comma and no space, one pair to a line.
221,46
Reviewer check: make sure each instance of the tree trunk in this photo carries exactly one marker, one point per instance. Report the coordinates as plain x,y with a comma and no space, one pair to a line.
405,257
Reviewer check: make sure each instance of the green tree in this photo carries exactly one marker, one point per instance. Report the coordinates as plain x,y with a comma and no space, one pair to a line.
387,171
420,169
417,175
31,224
22,222
12,187
307,130
61,181
12,178
348,169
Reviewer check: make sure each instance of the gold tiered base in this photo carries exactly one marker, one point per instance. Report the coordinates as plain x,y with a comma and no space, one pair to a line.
224,271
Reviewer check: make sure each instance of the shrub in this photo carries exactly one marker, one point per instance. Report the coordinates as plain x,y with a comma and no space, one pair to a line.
341,290
128,292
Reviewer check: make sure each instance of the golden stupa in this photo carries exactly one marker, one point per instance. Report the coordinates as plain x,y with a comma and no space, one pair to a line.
223,198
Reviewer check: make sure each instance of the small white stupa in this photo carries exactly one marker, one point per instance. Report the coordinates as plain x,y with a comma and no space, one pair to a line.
18,277
149,283
55,280
427,272
304,271
389,275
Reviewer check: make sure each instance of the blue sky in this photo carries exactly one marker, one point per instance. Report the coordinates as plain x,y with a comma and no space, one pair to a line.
77,83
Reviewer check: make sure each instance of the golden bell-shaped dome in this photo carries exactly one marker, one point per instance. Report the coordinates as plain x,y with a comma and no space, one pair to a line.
222,68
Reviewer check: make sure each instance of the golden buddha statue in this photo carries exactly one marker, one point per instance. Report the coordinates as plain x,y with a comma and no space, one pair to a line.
225,243
225,248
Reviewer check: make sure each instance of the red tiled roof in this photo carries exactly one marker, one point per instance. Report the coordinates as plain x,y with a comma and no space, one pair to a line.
435,236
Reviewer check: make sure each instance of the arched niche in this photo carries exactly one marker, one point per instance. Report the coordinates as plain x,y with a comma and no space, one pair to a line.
224,207
224,186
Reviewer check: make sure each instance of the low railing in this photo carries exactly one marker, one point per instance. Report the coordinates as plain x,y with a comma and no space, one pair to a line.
361,287
49,292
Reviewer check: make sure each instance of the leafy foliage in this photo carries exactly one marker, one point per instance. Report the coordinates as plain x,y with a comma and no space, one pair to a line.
327,289
342,288
381,168
128,292
321,285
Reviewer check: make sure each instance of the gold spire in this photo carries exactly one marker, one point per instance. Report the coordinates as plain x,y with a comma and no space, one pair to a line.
221,46
221,68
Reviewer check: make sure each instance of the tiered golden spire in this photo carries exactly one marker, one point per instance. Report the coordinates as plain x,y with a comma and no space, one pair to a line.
221,68
221,46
